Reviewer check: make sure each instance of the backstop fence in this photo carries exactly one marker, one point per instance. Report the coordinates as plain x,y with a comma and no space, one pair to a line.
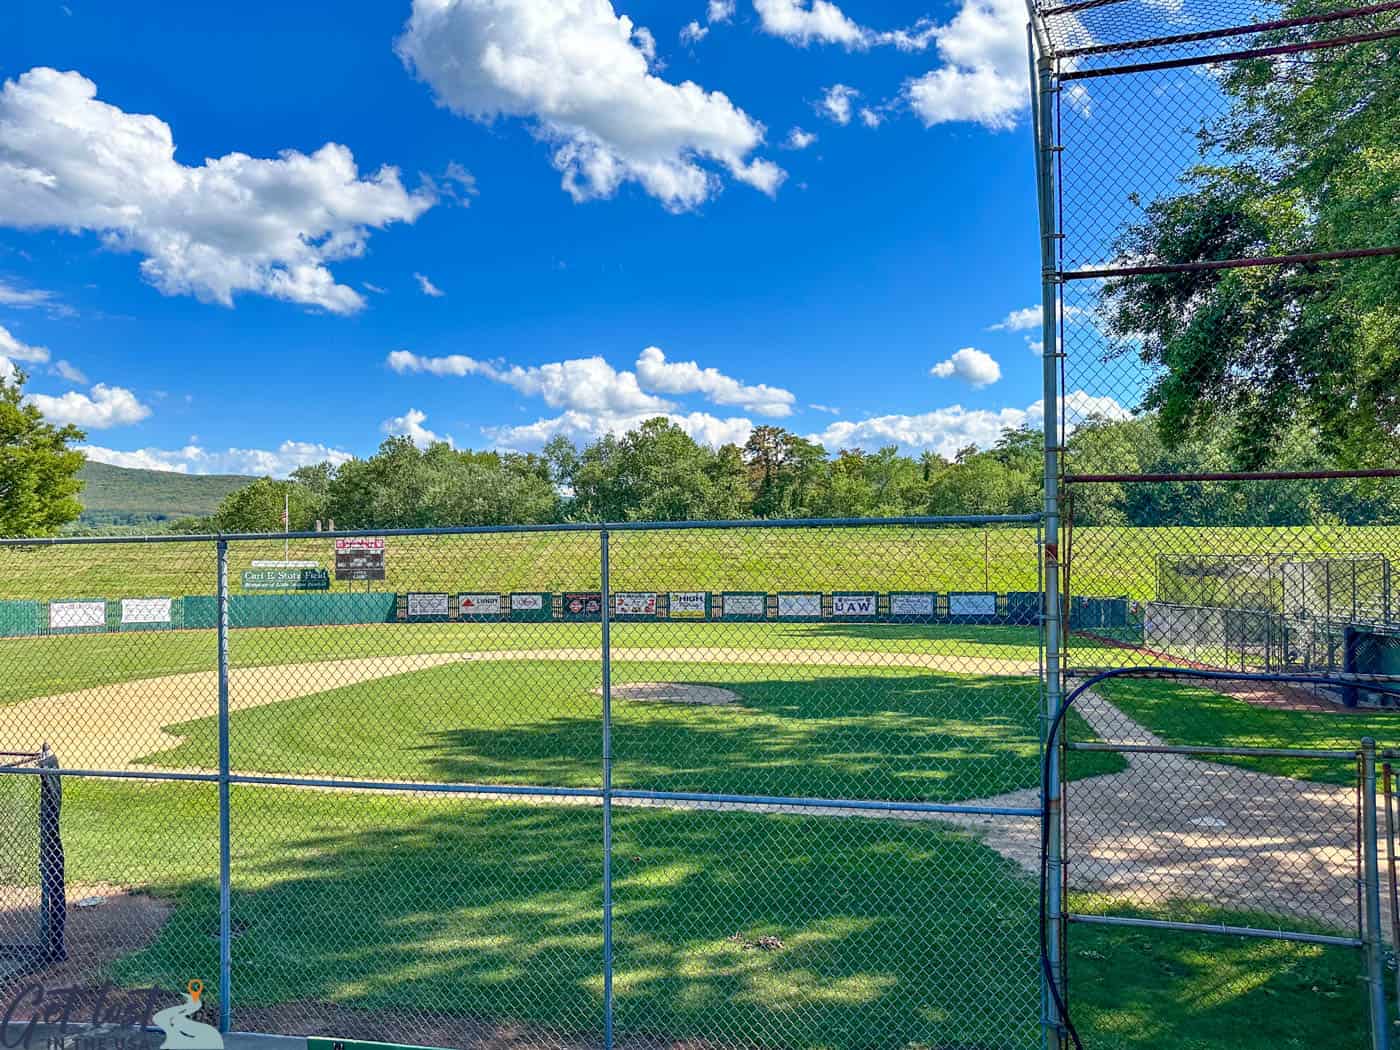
1193,161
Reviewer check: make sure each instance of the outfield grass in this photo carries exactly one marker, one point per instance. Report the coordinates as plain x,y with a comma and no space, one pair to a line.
1153,988
31,667
1105,560
821,732
908,933
1187,714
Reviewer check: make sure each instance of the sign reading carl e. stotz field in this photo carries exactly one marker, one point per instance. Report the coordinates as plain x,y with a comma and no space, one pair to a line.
359,558
286,580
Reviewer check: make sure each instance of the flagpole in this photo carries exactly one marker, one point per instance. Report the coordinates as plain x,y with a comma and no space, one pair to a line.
286,523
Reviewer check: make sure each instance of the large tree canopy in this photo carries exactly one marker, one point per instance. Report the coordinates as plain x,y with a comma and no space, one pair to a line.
38,468
1305,159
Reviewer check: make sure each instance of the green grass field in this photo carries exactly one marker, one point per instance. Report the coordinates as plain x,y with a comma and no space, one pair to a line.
1105,560
481,910
490,912
1187,714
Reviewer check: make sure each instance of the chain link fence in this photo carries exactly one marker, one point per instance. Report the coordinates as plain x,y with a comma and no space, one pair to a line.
752,785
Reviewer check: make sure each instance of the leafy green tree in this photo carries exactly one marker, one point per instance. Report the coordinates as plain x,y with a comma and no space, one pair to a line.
38,470
1304,160
258,507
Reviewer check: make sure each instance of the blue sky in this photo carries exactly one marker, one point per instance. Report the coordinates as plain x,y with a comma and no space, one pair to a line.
576,190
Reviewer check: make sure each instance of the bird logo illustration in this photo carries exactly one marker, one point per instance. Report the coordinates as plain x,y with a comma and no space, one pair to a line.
182,1032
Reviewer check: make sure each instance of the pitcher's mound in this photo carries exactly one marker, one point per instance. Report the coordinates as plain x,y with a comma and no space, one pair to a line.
673,693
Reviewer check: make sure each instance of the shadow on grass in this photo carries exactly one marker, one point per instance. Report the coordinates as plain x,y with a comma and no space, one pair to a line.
1136,988
938,738
885,932
898,735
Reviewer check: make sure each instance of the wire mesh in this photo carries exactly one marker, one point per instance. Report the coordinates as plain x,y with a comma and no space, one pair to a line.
823,754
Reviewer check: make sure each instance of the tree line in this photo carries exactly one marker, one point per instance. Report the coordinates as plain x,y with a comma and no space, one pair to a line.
657,472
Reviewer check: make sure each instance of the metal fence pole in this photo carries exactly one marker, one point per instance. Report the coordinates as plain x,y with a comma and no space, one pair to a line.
225,894
1043,99
1375,963
607,798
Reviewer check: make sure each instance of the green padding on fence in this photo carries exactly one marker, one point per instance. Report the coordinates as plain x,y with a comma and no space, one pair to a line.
309,610
318,1042
18,618
290,610
201,610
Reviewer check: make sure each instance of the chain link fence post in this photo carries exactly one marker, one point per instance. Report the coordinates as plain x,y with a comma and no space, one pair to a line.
1375,947
606,622
225,889
1043,98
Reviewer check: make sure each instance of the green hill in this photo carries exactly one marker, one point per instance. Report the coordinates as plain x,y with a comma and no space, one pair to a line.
126,496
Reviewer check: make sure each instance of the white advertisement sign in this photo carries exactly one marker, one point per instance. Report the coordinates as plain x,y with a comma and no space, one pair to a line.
479,604
146,610
527,602
688,605
634,604
911,604
429,604
793,605
853,605
972,604
744,604
77,614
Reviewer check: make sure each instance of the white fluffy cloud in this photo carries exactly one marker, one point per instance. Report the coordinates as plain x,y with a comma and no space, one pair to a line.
576,69
810,21
984,77
835,103
585,426
946,430
427,287
587,384
687,377
969,364
799,139
410,425
14,350
21,298
1022,320
693,32
719,11
233,224
102,407
69,371
192,459
804,22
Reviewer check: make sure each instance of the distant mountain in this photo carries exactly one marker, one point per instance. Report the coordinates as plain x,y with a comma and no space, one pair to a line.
126,496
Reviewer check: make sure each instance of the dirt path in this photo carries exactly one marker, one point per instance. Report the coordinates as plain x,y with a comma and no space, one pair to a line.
1173,828
110,726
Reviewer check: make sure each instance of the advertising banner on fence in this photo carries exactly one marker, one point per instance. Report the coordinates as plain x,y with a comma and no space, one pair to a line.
627,603
744,605
854,606
437,606
799,606
689,605
146,610
912,606
527,602
586,605
286,580
478,605
71,615
359,558
977,604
